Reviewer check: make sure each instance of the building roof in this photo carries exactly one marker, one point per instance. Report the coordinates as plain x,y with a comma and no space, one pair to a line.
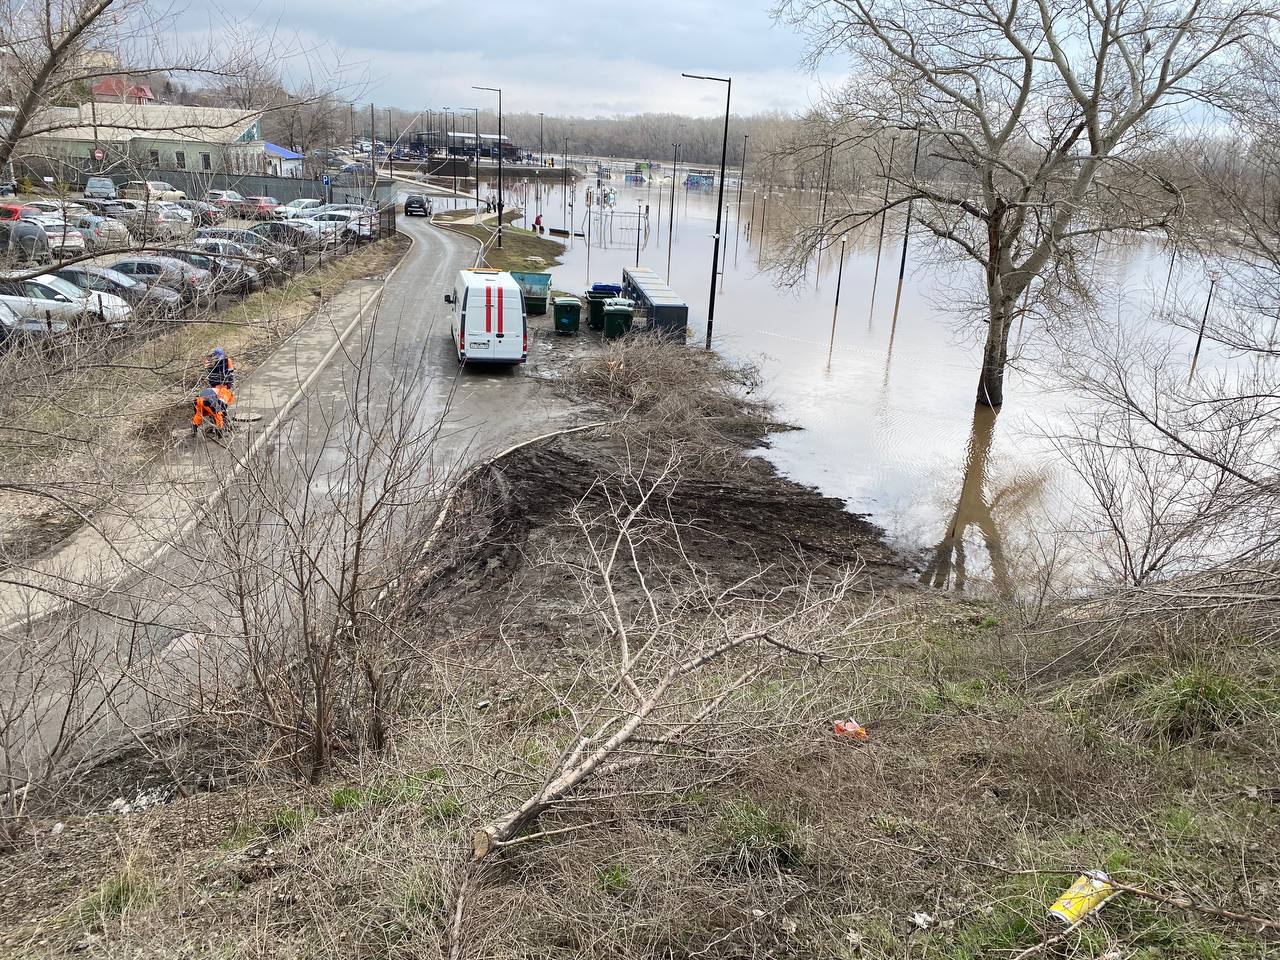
121,88
278,151
121,122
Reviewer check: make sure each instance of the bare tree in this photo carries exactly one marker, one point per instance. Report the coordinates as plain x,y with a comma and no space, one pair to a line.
1037,116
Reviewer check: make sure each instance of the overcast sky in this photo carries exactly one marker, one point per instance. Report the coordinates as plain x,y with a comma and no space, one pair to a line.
558,56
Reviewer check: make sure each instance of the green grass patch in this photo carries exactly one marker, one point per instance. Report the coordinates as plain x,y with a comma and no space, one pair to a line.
615,878
521,249
126,890
751,837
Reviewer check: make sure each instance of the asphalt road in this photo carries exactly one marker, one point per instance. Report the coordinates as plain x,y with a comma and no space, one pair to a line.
401,360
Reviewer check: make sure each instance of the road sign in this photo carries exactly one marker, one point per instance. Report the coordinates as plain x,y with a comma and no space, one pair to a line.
325,180
98,153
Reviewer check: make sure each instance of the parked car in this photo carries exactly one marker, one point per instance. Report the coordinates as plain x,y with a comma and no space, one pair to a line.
204,214
101,232
193,284
351,225
298,234
258,244
105,208
23,241
328,232
156,300
177,209
229,276
267,267
296,208
101,188
65,240
262,208
14,325
58,208
151,223
151,190
356,168
230,202
48,297
15,211
417,203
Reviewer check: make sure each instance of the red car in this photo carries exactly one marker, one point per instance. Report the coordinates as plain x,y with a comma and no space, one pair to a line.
11,211
262,208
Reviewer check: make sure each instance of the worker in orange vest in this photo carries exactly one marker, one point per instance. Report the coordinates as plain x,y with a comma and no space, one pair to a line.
212,404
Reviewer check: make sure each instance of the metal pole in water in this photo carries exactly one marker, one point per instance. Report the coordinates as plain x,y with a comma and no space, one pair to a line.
742,175
671,227
751,222
906,236
836,308
638,204
1173,255
884,213
1195,357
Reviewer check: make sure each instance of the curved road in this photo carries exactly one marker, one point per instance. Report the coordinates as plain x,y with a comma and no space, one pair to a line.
409,364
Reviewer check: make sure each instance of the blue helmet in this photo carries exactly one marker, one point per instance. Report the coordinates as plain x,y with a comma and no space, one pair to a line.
218,352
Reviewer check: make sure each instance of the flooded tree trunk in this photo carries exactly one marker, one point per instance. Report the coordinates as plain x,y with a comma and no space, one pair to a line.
995,355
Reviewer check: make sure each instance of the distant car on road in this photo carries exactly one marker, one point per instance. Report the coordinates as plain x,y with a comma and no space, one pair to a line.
417,203
100,188
151,190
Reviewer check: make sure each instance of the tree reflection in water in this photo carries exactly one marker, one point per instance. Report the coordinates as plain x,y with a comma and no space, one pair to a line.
947,567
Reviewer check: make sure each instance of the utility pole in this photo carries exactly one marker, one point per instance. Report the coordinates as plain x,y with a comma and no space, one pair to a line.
884,214
906,236
564,199
498,91
671,227
742,175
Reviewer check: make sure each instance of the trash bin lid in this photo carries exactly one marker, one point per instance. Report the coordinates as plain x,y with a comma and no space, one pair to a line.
564,301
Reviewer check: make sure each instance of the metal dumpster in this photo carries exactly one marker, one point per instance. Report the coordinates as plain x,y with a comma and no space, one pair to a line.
568,314
617,318
595,309
537,288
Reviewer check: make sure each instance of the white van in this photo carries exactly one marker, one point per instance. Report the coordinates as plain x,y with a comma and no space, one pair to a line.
488,320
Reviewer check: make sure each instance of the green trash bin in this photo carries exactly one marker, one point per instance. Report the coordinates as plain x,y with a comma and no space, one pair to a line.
617,319
568,314
595,310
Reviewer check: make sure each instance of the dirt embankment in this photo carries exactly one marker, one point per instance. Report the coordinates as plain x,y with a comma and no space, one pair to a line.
1002,756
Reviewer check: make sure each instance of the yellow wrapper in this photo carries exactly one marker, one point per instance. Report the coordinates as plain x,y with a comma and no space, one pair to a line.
1084,896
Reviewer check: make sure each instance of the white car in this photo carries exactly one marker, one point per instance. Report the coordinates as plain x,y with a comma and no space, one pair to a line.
170,206
151,190
49,299
64,239
294,209
328,232
59,208
13,324
347,222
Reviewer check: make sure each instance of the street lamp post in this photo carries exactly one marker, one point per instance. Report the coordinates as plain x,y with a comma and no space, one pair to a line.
671,227
475,111
724,149
639,203
498,91
564,199
737,218
542,156
448,139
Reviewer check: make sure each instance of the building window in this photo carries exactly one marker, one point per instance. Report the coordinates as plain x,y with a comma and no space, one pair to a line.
180,159
206,162
153,156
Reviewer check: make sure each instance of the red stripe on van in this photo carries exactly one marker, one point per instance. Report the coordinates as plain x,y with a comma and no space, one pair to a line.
500,299
488,309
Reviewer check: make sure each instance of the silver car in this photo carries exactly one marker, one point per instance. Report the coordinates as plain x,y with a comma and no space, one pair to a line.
64,239
101,233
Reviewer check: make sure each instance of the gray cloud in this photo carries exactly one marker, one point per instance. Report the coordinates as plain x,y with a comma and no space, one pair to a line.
566,57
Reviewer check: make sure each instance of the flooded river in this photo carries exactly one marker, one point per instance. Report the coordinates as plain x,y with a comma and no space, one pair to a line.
885,410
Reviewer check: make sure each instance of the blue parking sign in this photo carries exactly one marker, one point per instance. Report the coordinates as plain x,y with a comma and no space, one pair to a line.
326,180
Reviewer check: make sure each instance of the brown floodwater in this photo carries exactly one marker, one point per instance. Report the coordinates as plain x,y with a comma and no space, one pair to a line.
885,409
